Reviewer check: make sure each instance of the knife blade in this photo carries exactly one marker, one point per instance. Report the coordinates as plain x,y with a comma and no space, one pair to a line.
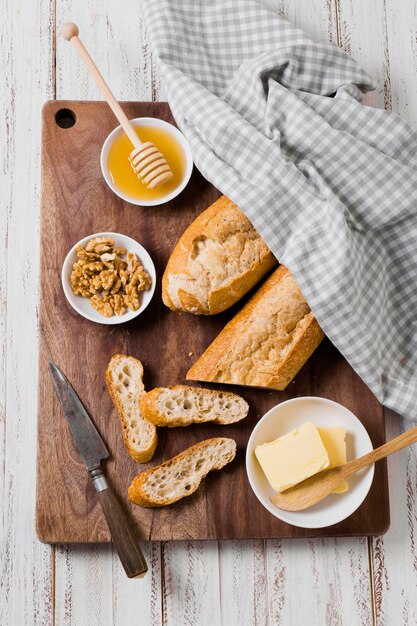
90,445
93,450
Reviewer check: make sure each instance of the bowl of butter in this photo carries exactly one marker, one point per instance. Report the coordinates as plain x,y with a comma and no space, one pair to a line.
299,438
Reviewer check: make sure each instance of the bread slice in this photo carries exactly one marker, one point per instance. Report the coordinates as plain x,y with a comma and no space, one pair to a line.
267,342
181,476
181,405
218,259
124,381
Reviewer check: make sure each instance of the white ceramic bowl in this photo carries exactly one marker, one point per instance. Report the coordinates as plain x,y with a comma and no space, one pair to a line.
321,412
82,305
172,130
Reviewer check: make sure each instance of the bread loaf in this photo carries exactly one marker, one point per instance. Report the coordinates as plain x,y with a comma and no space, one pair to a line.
218,259
267,342
182,405
181,476
124,381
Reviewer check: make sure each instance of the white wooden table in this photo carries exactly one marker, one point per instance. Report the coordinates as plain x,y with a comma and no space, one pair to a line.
293,582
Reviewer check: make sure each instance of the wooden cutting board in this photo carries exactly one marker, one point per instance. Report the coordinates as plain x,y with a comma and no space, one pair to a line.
75,203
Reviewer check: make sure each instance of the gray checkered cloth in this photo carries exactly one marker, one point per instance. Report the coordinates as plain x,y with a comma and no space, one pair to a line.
275,121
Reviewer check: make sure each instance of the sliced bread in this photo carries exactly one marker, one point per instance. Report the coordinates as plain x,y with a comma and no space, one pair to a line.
181,405
181,476
124,381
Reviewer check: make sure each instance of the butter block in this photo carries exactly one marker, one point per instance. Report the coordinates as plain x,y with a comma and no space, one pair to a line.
334,439
294,457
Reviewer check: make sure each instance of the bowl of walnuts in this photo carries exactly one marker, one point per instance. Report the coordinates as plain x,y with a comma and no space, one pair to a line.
108,278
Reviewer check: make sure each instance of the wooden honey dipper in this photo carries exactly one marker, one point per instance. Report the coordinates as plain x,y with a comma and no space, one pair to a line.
147,161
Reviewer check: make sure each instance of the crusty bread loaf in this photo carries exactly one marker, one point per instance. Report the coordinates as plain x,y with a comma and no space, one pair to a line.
267,342
218,259
181,405
181,476
124,381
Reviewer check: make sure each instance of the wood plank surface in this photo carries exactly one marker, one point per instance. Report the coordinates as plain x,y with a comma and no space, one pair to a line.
56,584
26,566
394,559
332,576
76,202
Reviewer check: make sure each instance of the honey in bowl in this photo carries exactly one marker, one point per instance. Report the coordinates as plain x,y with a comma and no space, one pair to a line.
125,178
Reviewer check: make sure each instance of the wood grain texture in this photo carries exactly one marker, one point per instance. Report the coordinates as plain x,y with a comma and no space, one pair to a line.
208,583
92,588
316,17
369,46
191,584
116,41
394,557
319,582
138,603
67,508
279,582
243,582
401,26
26,566
83,593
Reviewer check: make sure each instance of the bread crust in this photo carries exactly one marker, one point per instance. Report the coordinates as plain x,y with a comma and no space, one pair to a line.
137,494
139,457
305,340
225,296
149,407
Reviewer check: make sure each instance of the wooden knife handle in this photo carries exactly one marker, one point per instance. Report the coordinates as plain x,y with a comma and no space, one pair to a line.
124,535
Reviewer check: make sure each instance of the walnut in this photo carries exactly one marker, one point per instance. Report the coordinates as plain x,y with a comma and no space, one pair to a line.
119,265
107,258
132,262
92,268
140,278
96,284
132,297
124,276
100,245
86,256
116,285
102,248
118,304
107,278
101,305
79,284
110,277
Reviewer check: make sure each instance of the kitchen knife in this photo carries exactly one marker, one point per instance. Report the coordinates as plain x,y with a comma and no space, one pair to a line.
92,451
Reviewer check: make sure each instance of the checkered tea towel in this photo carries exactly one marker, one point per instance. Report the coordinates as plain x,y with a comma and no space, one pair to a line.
275,121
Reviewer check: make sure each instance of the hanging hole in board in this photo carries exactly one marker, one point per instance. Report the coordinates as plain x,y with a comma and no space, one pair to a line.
65,118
